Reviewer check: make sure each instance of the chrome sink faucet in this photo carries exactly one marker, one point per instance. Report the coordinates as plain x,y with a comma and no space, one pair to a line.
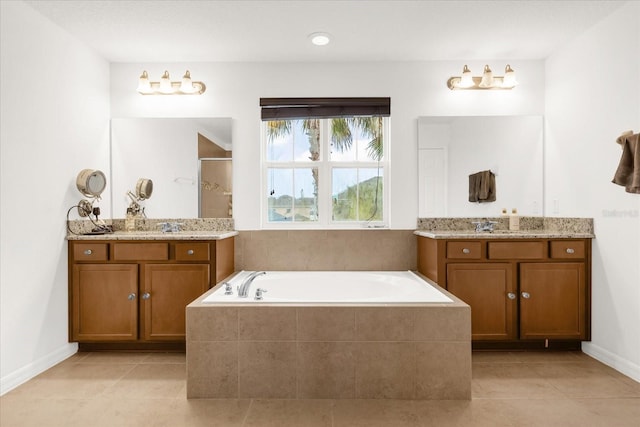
243,289
484,226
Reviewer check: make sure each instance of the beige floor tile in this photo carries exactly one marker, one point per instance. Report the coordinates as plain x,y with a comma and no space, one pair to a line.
40,412
374,413
509,380
510,389
73,381
612,412
208,412
585,380
132,412
150,381
115,357
483,356
179,358
294,413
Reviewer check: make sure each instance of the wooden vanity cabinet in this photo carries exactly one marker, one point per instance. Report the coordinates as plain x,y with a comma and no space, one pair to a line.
523,293
137,291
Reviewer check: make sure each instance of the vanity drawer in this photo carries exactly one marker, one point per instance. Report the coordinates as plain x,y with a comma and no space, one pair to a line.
196,251
567,249
157,251
464,250
517,250
90,252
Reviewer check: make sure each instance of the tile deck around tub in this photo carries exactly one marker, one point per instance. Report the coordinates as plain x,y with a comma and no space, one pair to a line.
418,351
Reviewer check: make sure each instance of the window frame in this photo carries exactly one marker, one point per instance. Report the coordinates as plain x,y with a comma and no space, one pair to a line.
325,182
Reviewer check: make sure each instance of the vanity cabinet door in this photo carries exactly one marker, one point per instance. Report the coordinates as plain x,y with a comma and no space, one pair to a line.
104,302
490,290
552,300
165,293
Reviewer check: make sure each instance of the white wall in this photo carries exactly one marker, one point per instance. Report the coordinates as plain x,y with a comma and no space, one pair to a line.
416,89
591,98
54,122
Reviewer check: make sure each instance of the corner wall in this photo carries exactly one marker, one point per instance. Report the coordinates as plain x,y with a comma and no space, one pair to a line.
591,97
54,122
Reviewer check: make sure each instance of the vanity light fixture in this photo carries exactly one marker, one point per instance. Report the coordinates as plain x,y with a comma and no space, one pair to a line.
486,81
166,87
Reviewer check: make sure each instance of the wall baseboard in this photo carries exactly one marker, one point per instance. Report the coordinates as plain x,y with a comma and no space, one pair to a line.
613,360
24,374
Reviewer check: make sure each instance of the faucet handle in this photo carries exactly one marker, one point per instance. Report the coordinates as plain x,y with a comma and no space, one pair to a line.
227,288
259,293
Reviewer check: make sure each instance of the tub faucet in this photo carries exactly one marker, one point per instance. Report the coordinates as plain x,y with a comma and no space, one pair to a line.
243,290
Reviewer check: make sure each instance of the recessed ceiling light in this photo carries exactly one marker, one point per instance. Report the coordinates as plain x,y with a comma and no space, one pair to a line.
320,39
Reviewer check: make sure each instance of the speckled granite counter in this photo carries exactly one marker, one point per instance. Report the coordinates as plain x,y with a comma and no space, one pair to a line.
150,229
156,235
530,228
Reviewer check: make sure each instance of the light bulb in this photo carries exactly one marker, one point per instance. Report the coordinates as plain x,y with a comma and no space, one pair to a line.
466,80
509,80
165,83
187,85
320,39
143,83
487,78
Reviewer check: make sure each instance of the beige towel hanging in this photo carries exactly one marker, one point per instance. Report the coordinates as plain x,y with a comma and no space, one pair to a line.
628,172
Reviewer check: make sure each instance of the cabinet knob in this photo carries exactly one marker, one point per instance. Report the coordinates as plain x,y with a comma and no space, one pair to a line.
190,252
88,252
146,295
570,250
526,295
131,296
466,251
511,295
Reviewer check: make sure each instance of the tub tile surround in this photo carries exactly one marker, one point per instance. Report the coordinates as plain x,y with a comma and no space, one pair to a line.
322,250
419,351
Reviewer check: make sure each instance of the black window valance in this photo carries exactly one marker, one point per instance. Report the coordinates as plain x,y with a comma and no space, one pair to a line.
320,108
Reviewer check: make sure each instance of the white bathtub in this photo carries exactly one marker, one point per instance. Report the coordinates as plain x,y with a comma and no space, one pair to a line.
363,287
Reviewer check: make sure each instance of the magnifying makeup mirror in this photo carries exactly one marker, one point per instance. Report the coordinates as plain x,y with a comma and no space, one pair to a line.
90,183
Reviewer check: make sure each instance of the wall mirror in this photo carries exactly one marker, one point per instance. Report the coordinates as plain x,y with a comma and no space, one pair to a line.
452,148
188,160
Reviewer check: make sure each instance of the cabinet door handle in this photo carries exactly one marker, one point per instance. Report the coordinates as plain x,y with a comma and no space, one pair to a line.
190,252
131,296
570,250
88,252
526,295
466,251
511,295
146,295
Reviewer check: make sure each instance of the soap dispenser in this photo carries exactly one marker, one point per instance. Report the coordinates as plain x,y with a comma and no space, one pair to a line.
130,221
514,220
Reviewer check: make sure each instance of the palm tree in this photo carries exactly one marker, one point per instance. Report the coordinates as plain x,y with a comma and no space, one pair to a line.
341,136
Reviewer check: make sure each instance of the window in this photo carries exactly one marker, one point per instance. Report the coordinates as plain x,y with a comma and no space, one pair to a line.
324,171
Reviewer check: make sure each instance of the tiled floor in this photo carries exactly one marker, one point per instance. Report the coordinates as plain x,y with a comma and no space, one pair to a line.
509,389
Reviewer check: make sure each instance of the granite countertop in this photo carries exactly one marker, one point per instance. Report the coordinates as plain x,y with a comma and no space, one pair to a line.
530,228
150,229
502,234
156,235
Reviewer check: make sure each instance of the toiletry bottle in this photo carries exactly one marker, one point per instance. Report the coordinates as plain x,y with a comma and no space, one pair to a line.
130,221
514,220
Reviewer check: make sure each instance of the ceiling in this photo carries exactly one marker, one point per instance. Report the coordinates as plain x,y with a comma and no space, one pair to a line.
394,30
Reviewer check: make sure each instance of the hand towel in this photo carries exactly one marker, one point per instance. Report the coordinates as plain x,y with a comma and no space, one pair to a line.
482,187
628,172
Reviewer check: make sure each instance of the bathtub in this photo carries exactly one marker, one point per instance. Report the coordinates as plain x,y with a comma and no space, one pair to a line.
329,335
337,287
